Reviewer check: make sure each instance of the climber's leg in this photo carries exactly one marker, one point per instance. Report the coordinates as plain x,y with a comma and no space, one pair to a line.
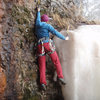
55,60
41,62
42,65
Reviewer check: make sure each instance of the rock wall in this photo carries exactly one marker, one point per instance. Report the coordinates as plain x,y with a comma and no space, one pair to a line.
2,72
80,60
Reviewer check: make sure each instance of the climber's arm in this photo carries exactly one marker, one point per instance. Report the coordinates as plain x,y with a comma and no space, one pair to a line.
38,19
55,32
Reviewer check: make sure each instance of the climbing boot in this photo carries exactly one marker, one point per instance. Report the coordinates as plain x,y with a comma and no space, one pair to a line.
43,87
61,80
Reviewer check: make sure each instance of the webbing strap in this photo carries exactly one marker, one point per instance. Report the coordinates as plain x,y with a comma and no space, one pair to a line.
43,52
42,39
42,48
51,52
52,46
41,55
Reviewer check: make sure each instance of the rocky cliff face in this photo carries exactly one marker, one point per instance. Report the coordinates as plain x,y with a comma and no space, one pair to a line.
18,49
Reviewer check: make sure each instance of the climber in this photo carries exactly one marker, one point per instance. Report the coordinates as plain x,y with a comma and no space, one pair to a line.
46,46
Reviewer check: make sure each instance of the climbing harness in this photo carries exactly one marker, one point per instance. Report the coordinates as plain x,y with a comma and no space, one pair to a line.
51,44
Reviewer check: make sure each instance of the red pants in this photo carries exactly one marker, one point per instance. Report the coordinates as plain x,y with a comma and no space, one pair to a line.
42,64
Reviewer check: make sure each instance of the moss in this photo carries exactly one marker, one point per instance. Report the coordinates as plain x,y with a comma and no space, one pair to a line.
23,17
26,10
27,95
36,97
43,11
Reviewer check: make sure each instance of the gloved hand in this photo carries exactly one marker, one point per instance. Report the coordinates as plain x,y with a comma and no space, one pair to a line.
67,38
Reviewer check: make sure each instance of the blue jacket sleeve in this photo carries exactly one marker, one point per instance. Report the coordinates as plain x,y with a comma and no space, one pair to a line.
55,32
38,19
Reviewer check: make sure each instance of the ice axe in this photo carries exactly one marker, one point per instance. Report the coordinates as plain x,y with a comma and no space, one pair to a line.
68,29
67,38
38,3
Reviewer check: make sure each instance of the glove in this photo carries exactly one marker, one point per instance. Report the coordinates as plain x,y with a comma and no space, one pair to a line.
67,38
